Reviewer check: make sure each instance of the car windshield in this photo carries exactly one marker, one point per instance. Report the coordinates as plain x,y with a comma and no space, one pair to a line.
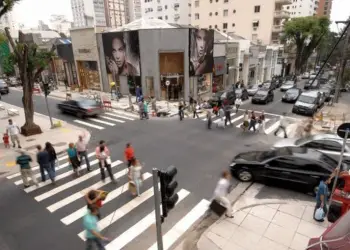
326,91
87,103
260,93
292,91
306,99
289,83
238,91
253,87
304,140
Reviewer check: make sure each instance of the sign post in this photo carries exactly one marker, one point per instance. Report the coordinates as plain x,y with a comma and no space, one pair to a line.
167,83
155,173
343,132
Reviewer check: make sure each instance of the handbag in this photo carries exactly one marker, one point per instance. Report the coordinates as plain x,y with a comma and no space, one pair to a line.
319,214
217,208
57,164
108,160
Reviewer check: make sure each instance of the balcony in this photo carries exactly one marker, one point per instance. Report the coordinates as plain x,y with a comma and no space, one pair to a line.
176,17
283,1
281,14
277,28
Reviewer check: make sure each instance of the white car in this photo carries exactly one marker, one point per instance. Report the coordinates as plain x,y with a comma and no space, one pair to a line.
287,85
312,76
306,75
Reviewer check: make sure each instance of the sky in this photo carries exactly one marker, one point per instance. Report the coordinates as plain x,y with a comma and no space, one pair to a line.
29,12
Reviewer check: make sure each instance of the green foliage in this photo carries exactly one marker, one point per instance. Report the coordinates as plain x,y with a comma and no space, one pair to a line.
306,34
7,6
8,65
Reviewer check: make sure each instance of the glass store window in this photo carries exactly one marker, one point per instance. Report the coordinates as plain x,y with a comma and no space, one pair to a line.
204,83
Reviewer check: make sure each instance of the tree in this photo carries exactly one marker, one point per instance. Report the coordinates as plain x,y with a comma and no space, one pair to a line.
305,33
31,61
8,65
6,6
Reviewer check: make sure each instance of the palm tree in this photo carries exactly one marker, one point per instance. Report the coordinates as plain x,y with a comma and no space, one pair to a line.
6,6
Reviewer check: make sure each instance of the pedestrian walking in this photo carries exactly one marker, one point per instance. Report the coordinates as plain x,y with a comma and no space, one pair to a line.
52,156
245,123
113,90
13,130
283,125
221,192
261,122
138,92
43,159
252,121
129,155
93,235
135,177
145,109
321,196
238,103
181,111
73,158
95,198
209,119
23,160
6,140
195,109
141,109
154,104
227,114
81,146
103,155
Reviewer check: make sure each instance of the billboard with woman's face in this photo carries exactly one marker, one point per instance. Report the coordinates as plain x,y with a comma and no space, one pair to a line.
122,53
201,51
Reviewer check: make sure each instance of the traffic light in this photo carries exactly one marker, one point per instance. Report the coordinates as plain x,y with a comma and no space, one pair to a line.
241,67
227,68
168,184
46,89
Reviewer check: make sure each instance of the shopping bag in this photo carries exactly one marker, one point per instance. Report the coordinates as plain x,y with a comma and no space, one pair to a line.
217,208
57,164
319,214
132,187
108,160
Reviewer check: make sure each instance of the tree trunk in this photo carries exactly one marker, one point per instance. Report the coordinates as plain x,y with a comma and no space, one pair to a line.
29,128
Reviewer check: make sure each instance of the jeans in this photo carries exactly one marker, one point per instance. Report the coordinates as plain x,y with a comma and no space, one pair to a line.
195,113
145,114
209,123
49,171
137,182
84,154
181,114
284,130
252,125
109,170
98,243
228,119
53,166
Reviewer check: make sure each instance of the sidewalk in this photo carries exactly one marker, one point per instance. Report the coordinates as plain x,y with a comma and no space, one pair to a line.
59,137
273,223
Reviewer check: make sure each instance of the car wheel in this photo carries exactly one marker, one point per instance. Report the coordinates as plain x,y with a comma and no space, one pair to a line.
245,175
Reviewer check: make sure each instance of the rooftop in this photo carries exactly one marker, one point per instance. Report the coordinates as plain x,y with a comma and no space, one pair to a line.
143,24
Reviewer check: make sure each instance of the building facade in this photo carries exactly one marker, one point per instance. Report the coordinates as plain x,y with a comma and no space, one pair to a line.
299,8
254,20
171,11
88,13
324,8
60,24
133,10
116,12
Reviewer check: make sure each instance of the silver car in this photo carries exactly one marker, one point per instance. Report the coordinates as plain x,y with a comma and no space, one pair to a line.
287,85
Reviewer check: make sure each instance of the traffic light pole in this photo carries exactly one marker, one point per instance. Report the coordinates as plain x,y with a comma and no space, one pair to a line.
155,173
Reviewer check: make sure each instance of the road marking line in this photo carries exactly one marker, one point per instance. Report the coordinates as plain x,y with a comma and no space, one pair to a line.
125,113
89,124
69,219
183,225
37,175
37,167
223,119
72,183
130,234
120,116
52,208
215,121
112,119
266,120
119,213
272,128
100,121
288,117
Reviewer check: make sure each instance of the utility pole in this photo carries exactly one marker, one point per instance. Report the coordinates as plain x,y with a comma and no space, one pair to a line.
342,61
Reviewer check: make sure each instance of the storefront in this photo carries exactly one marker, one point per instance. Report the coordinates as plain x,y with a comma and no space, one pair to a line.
219,72
86,58
64,63
232,62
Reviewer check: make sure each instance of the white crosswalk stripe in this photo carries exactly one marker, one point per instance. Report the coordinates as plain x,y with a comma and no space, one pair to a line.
63,197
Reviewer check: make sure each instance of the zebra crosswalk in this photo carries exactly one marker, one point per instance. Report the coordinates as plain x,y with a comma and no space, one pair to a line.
65,201
107,119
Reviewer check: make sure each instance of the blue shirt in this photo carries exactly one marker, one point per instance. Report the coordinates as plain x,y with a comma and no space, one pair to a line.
72,152
43,158
322,190
90,224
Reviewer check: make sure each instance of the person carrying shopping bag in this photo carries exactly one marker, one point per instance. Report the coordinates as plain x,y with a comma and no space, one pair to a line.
73,158
135,178
52,156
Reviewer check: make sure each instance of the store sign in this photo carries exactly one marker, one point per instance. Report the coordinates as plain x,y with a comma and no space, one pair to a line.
84,51
232,50
219,66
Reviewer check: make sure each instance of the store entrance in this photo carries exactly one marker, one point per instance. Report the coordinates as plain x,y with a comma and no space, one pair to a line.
175,91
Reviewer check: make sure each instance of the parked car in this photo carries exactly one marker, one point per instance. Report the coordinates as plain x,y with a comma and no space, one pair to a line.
228,95
277,81
313,76
312,84
328,144
306,75
12,81
4,89
288,85
327,94
303,167
242,93
307,103
81,108
291,95
269,85
263,96
252,89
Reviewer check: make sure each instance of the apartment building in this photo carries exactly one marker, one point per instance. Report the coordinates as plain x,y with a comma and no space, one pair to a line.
133,10
171,11
7,21
88,13
300,8
324,8
116,12
256,20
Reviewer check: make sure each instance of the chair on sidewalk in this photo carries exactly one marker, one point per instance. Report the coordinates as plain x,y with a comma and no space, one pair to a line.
106,102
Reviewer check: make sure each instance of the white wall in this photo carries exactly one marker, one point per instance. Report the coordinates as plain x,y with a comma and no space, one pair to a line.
302,8
219,49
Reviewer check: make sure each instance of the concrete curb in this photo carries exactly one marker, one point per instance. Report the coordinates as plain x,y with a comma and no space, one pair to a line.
189,242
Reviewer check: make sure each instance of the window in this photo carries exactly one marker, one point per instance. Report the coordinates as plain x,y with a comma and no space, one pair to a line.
224,25
196,4
331,146
255,24
314,145
210,14
225,12
254,38
283,163
234,11
257,9
216,13
225,1
196,16
166,7
233,25
209,26
216,26
161,18
166,17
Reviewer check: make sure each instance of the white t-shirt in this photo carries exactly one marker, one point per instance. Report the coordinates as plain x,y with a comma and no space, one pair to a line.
221,189
13,129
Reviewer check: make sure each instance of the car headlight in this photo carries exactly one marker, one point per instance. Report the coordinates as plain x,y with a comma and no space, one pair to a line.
284,97
232,164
